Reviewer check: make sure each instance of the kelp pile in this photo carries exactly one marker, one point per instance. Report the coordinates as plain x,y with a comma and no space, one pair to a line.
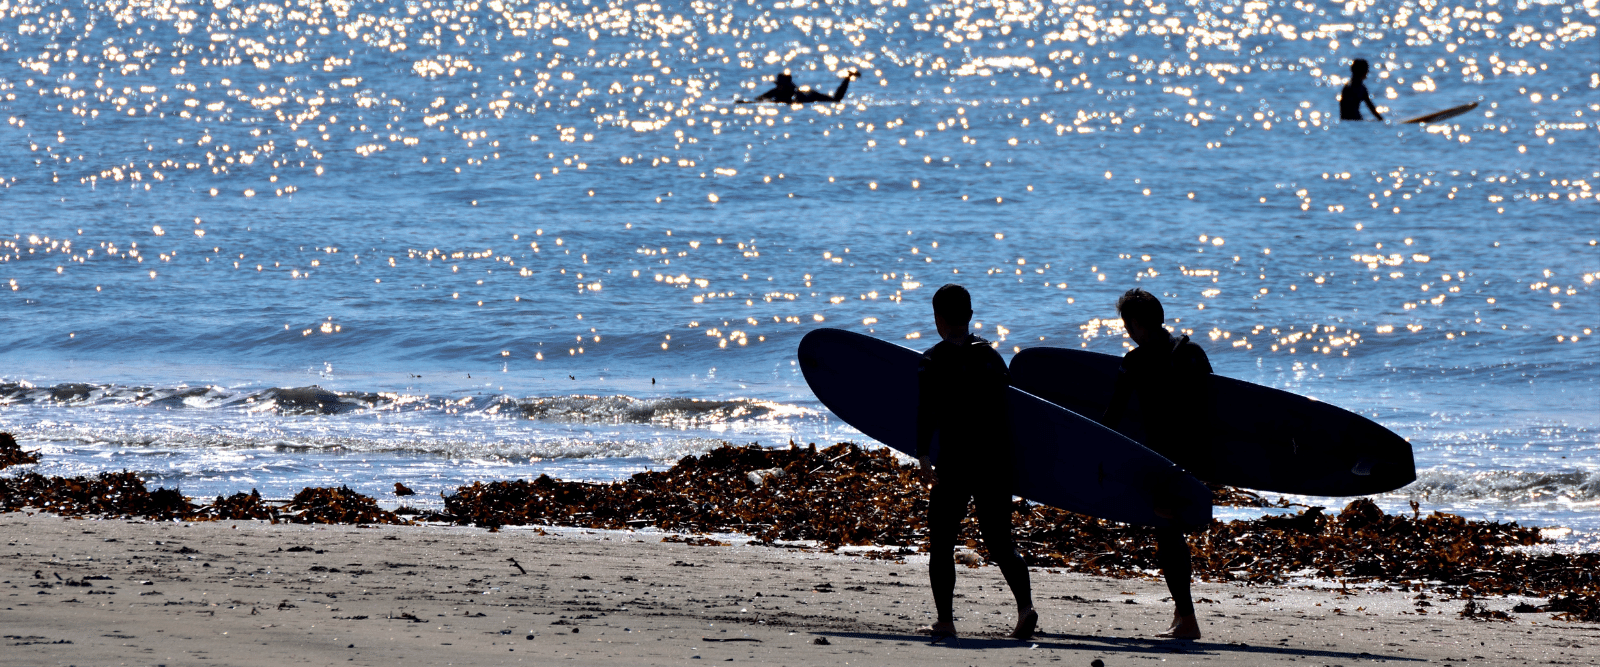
847,495
1584,608
124,495
341,505
1232,496
120,494
12,455
242,507
837,496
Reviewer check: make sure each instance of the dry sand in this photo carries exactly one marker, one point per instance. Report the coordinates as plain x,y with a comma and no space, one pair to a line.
113,592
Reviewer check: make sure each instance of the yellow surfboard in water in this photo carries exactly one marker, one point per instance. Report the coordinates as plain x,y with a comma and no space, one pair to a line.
1437,116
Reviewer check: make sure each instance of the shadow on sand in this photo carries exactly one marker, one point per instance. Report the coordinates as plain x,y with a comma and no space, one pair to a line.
1120,645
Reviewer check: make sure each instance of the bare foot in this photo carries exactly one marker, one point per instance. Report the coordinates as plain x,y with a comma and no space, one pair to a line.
939,631
1183,627
1027,621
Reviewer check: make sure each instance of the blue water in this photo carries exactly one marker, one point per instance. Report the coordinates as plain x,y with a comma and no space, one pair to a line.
539,237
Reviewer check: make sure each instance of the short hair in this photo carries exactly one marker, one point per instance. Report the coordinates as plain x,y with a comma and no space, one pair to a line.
953,303
1359,67
1141,306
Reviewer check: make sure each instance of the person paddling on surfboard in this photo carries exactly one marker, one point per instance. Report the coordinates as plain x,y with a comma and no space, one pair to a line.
961,396
785,92
1163,372
1355,93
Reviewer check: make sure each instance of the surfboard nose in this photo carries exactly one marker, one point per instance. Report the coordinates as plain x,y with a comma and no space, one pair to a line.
806,351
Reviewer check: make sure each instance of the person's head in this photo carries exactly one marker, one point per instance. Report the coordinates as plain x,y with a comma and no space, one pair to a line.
1358,69
952,310
1141,315
785,80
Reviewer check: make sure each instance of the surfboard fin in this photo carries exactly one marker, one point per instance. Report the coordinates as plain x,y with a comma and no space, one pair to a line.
1363,467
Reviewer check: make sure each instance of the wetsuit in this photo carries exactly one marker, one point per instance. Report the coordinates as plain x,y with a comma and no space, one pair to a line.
1350,100
785,92
1169,378
962,398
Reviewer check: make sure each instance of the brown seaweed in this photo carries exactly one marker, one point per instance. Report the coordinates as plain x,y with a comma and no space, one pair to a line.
848,495
12,455
241,507
1233,496
329,505
109,494
1479,612
1584,608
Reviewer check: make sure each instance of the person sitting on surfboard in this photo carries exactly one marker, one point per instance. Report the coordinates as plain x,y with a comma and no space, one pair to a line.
1355,93
1163,372
785,92
961,396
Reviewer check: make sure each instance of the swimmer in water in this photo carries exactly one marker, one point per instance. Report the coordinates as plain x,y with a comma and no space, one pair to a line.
1355,93
785,92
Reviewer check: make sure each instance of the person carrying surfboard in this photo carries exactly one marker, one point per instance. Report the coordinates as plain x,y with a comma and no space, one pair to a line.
785,92
1164,373
1355,93
961,397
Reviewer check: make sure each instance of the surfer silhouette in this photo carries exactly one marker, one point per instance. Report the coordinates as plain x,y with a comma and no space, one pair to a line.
1168,376
1355,93
961,397
785,92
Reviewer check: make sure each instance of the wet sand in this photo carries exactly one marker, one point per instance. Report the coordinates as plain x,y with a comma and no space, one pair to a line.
248,593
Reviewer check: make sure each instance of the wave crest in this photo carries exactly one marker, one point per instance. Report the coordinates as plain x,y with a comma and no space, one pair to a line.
673,411
1512,487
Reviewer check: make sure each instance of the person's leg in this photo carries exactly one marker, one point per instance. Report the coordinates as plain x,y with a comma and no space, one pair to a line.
947,506
994,522
1172,552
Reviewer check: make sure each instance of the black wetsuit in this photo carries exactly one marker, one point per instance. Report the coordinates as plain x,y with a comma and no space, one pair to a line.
962,398
1169,379
785,92
1351,98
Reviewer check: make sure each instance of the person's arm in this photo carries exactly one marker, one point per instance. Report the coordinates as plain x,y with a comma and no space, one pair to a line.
1368,99
926,413
844,87
1193,369
1196,361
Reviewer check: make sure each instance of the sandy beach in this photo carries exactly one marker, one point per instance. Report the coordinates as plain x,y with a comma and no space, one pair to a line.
119,592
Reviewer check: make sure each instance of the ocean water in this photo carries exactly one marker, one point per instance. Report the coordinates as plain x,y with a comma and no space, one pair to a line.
274,245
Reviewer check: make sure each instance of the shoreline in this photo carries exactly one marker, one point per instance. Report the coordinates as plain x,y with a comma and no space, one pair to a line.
847,496
251,592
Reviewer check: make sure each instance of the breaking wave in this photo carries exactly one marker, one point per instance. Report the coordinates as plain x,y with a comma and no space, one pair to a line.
680,412
658,411
70,442
1509,487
